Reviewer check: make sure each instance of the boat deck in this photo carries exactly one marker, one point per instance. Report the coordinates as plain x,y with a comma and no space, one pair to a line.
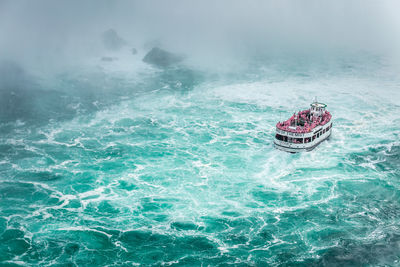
303,122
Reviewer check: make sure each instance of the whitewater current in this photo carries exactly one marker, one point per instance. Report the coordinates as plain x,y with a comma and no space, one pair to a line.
182,172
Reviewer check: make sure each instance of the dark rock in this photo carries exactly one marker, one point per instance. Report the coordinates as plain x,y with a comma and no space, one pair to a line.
134,51
108,59
162,58
112,40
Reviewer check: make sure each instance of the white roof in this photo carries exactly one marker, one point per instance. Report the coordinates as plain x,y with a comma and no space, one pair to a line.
318,105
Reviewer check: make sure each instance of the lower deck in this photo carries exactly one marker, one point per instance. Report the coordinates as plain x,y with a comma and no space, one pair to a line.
295,149
305,143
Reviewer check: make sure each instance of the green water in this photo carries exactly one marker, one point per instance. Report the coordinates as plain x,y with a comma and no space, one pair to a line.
178,168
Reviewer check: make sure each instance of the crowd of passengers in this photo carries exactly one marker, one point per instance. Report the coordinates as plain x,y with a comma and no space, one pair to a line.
304,117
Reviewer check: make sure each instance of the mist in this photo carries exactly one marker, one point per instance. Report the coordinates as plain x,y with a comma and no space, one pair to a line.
49,34
65,46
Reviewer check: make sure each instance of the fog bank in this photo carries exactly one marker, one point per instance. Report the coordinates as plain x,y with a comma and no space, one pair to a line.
48,34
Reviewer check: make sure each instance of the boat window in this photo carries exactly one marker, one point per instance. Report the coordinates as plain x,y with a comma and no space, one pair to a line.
297,140
313,138
307,140
281,137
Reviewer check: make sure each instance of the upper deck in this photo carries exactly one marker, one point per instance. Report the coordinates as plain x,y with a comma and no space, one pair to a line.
307,120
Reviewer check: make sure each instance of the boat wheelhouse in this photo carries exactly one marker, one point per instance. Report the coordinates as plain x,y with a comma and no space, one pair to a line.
304,130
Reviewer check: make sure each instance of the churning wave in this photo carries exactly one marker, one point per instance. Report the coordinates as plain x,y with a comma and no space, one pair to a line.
179,169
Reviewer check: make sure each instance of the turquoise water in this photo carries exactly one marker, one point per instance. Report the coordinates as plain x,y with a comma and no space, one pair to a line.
178,168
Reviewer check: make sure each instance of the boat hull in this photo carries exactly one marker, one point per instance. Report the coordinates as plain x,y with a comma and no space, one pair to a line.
300,149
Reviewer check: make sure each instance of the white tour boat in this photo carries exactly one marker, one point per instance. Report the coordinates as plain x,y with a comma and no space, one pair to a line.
304,130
